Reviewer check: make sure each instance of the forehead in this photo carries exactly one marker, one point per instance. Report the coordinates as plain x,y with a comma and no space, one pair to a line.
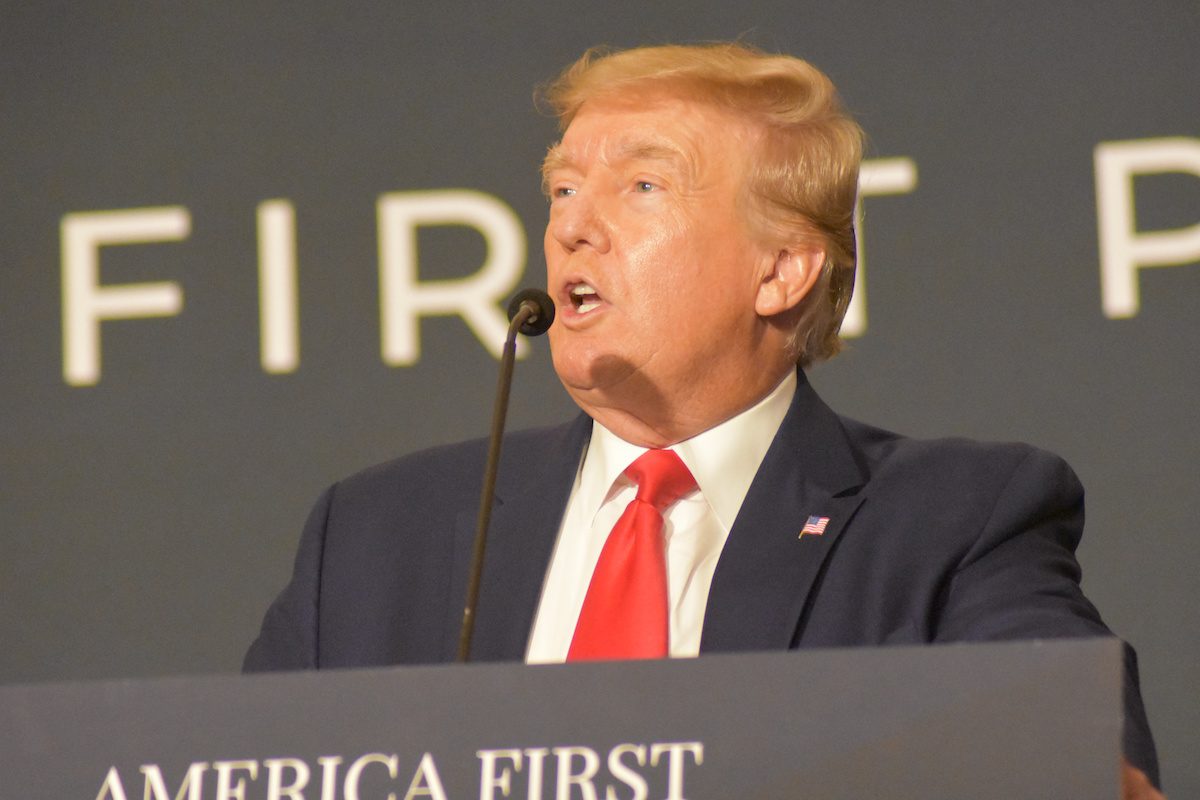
652,126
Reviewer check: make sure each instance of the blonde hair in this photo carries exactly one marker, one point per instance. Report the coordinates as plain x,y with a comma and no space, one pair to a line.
805,176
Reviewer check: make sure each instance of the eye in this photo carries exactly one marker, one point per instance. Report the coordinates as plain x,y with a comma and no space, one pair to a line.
642,187
561,191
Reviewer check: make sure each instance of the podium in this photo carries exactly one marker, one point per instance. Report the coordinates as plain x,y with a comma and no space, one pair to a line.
999,720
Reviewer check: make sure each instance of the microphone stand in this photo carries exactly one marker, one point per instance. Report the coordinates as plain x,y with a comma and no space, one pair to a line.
532,317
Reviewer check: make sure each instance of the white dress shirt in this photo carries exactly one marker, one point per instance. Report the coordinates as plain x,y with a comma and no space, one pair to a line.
723,461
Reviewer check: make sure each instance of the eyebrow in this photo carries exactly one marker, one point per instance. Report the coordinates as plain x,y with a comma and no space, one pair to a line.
650,151
674,158
557,158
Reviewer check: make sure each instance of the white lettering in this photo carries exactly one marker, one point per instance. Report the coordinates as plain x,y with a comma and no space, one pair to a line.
275,788
278,308
676,751
112,789
624,774
329,768
1122,249
489,782
568,778
354,773
85,302
155,787
878,176
226,789
537,767
476,298
428,775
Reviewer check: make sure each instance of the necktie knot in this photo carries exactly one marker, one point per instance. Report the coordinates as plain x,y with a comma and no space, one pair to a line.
661,477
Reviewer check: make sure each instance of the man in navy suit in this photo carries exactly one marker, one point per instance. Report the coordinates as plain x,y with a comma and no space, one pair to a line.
700,253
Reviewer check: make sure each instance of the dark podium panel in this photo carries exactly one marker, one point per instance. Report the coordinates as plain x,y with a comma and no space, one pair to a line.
1008,720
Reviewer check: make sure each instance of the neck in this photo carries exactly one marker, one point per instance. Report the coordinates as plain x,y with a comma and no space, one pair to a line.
646,418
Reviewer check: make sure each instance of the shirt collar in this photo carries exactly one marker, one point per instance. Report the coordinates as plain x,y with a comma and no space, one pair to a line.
723,459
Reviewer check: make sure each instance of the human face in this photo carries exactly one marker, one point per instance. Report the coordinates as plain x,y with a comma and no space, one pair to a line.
652,268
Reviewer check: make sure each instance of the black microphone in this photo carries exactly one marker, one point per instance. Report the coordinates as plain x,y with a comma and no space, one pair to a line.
541,306
530,312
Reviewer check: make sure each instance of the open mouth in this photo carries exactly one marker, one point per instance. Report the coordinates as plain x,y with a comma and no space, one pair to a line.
584,298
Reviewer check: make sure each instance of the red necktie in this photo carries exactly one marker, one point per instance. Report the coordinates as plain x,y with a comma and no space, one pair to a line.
624,614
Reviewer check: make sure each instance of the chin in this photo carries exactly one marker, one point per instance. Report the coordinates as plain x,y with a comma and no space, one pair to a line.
576,374
583,370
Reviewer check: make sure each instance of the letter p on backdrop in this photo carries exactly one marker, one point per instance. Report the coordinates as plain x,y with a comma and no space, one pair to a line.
1124,250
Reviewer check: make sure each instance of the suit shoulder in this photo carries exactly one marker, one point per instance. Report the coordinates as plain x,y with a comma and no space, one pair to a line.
456,467
951,459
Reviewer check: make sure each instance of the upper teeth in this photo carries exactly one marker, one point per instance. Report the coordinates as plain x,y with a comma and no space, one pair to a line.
581,294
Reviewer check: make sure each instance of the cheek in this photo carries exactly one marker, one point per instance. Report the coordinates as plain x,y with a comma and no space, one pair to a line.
550,247
734,263
659,253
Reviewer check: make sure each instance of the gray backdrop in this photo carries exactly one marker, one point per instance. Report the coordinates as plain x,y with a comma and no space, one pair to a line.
148,518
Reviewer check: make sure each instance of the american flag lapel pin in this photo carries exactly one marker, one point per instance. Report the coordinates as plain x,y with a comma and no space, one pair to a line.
815,526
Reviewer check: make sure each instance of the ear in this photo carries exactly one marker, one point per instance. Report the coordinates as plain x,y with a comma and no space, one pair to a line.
788,280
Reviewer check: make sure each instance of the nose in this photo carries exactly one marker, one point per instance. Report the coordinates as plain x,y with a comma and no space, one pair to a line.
577,222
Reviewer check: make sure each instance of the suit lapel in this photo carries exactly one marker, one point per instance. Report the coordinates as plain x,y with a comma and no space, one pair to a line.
767,569
535,480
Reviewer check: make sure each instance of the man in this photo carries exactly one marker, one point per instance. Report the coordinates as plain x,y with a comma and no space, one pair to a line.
700,247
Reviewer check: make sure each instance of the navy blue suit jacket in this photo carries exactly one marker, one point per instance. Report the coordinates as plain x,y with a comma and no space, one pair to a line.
927,541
